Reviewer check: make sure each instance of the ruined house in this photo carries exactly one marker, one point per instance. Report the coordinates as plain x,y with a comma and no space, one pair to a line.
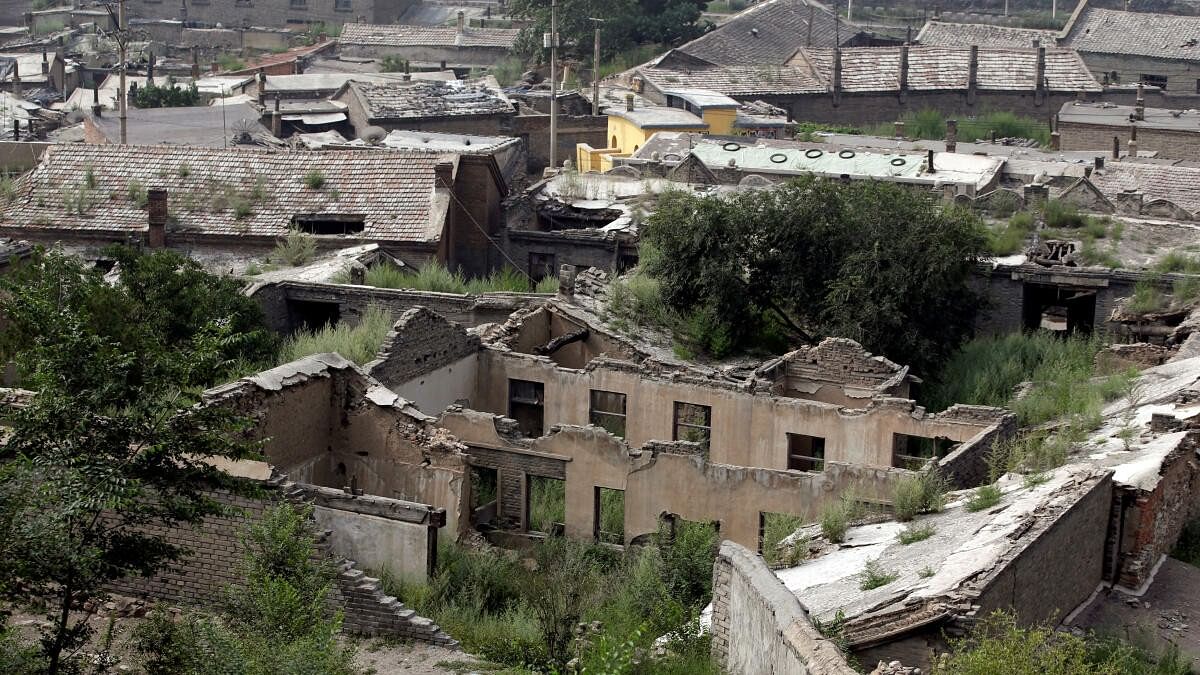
551,395
460,47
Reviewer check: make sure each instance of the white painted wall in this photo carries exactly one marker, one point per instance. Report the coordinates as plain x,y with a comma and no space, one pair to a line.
434,391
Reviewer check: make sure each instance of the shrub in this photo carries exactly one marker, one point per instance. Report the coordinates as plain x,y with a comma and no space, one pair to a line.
873,576
547,285
358,343
1147,298
1011,238
922,492
296,249
984,497
138,194
314,179
435,277
1060,214
776,528
913,533
835,520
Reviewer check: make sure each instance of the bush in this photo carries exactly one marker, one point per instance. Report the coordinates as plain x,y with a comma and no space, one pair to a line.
359,343
435,277
924,492
1147,298
314,179
984,497
776,528
296,249
1011,238
873,576
835,520
1060,214
913,533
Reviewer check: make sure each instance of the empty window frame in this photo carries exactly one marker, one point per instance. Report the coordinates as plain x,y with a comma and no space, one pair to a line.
330,224
609,515
541,266
693,422
1159,81
913,452
805,453
607,411
545,504
526,405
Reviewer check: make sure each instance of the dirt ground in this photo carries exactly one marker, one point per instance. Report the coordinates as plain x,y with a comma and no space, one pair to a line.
374,656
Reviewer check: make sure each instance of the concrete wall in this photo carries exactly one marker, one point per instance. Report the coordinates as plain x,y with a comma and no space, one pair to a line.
759,626
437,389
1168,144
748,429
535,130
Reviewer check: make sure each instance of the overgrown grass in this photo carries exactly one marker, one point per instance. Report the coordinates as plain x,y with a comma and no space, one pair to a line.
358,343
314,179
435,277
509,611
776,528
914,533
230,62
1010,238
873,576
930,124
629,58
924,492
296,249
984,497
547,503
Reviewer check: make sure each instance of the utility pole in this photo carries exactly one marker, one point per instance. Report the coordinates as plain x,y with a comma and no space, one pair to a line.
122,96
596,68
850,11
1053,9
553,40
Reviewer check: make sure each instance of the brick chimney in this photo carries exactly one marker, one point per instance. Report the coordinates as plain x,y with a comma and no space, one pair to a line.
1116,147
262,86
1099,163
837,75
929,162
150,69
1139,107
156,235
16,78
276,119
1039,93
45,63
951,135
899,129
972,74
903,72
1133,141
1055,140
629,102
195,63
462,22
443,175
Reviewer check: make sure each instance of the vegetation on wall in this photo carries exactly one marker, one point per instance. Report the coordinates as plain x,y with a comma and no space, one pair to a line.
169,95
435,277
930,124
769,269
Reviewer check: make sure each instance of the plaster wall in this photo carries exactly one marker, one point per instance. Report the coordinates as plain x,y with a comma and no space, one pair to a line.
748,429
378,543
1168,144
434,391
1182,76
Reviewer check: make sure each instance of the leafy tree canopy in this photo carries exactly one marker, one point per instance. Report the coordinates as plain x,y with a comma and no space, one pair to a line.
627,23
169,95
110,442
876,262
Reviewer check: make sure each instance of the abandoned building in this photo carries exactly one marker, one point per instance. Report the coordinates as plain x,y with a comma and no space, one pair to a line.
213,200
202,126
459,47
278,13
937,33
479,107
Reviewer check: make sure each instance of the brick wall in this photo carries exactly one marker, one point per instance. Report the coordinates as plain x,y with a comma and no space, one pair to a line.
583,248
535,130
1169,144
967,466
213,562
419,343
1181,75
759,626
843,361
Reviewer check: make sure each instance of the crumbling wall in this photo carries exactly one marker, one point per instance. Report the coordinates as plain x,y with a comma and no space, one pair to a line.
967,465
534,129
839,370
215,549
1154,518
420,343
759,626
1060,563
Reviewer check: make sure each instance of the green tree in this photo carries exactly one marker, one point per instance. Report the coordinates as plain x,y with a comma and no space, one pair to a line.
102,451
627,23
877,262
169,95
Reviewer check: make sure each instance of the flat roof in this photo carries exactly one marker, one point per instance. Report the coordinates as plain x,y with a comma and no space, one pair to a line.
703,98
658,117
1110,114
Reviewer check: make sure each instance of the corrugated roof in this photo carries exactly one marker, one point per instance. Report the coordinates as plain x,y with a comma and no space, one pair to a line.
410,100
940,34
940,68
768,33
392,191
1110,31
397,35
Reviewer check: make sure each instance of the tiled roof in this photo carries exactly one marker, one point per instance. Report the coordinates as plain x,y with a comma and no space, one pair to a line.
1177,184
395,35
392,191
409,100
737,80
1110,31
938,68
768,33
939,34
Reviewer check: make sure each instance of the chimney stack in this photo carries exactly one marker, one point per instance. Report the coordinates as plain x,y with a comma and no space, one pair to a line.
951,135
629,102
1055,140
443,175
1087,172
837,75
276,120
972,74
156,235
929,162
16,78
45,63
1139,107
899,129
903,72
262,87
195,63
1133,151
1039,93
96,107
150,70
1116,147
1099,163
462,22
